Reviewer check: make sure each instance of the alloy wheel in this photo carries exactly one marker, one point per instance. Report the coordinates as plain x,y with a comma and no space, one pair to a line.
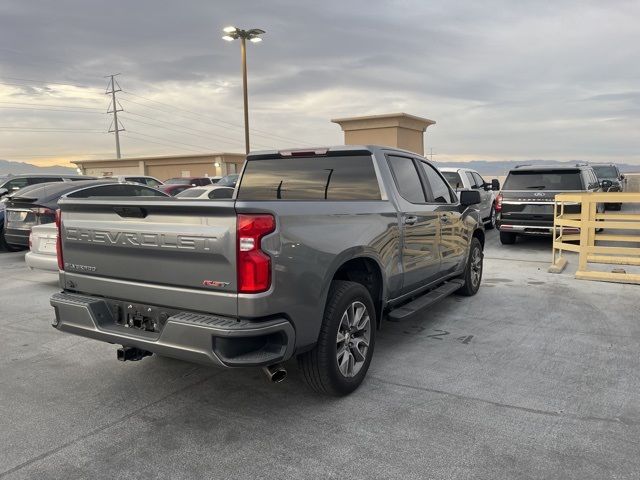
353,338
476,267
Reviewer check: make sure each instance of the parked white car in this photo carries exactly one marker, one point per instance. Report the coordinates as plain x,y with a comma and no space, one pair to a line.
207,192
465,178
42,248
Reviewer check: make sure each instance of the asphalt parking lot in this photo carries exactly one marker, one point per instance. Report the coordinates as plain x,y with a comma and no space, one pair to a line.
537,376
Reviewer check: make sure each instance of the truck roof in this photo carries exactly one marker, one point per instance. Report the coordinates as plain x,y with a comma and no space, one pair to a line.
324,150
522,168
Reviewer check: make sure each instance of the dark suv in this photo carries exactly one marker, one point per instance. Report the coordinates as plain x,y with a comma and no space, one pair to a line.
525,204
611,180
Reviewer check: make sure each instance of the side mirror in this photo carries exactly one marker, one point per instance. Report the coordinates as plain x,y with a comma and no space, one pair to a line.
622,176
469,197
495,185
3,192
606,184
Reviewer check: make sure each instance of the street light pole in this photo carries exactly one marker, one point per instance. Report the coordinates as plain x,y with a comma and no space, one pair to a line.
243,48
253,35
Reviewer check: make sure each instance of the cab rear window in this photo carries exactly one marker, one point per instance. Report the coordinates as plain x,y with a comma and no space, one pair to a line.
310,178
544,180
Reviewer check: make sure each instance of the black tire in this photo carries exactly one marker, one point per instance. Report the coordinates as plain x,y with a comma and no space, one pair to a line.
319,366
491,224
4,245
473,271
507,238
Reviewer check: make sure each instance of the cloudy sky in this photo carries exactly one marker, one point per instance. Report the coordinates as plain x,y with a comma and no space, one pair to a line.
503,79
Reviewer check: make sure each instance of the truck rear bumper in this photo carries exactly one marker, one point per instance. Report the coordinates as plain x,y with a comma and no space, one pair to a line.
534,229
189,336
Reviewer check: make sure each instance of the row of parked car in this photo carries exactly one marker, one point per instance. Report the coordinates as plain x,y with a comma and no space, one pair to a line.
28,203
523,206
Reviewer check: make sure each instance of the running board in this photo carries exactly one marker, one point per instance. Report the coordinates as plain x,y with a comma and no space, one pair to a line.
426,300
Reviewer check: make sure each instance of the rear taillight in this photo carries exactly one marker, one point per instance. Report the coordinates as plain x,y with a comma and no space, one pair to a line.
59,239
30,240
499,203
42,211
254,266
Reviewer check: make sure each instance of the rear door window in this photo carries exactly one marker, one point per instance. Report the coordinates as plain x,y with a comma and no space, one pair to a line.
454,179
472,181
152,182
479,180
407,179
544,180
221,193
37,180
16,184
310,178
439,188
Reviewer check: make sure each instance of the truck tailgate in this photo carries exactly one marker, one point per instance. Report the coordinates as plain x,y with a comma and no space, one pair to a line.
162,251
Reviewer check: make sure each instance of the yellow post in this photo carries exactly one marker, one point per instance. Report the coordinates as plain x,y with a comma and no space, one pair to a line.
585,209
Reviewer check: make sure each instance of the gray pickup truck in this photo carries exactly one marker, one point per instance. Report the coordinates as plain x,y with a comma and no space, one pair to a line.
313,251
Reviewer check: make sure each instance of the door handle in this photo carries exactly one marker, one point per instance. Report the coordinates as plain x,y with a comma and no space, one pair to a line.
444,218
410,220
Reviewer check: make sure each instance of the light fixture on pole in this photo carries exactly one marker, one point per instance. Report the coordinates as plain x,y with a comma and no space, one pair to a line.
253,35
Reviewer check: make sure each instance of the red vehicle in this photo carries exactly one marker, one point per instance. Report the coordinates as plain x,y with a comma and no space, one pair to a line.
173,188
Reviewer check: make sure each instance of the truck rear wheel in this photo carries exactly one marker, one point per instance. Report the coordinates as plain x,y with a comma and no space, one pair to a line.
473,271
339,362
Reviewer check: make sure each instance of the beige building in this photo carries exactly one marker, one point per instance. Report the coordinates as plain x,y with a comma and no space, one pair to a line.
164,167
399,130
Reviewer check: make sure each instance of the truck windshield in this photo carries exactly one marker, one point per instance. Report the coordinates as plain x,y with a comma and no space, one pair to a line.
606,172
310,178
544,180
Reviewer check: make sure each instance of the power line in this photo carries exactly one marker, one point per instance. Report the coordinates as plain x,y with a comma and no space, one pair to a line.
176,130
177,114
207,135
49,129
45,82
225,123
128,135
207,149
52,105
51,110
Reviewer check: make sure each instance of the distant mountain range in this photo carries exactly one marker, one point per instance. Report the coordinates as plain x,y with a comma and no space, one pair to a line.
500,168
7,167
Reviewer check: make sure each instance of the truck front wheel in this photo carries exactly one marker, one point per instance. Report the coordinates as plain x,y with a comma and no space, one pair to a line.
340,360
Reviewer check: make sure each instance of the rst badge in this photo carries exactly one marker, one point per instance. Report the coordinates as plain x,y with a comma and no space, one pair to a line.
214,283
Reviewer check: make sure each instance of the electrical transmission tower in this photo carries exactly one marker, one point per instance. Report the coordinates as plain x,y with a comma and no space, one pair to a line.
115,107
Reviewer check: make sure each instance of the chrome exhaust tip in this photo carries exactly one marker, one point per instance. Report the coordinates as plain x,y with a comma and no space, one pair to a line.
275,373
